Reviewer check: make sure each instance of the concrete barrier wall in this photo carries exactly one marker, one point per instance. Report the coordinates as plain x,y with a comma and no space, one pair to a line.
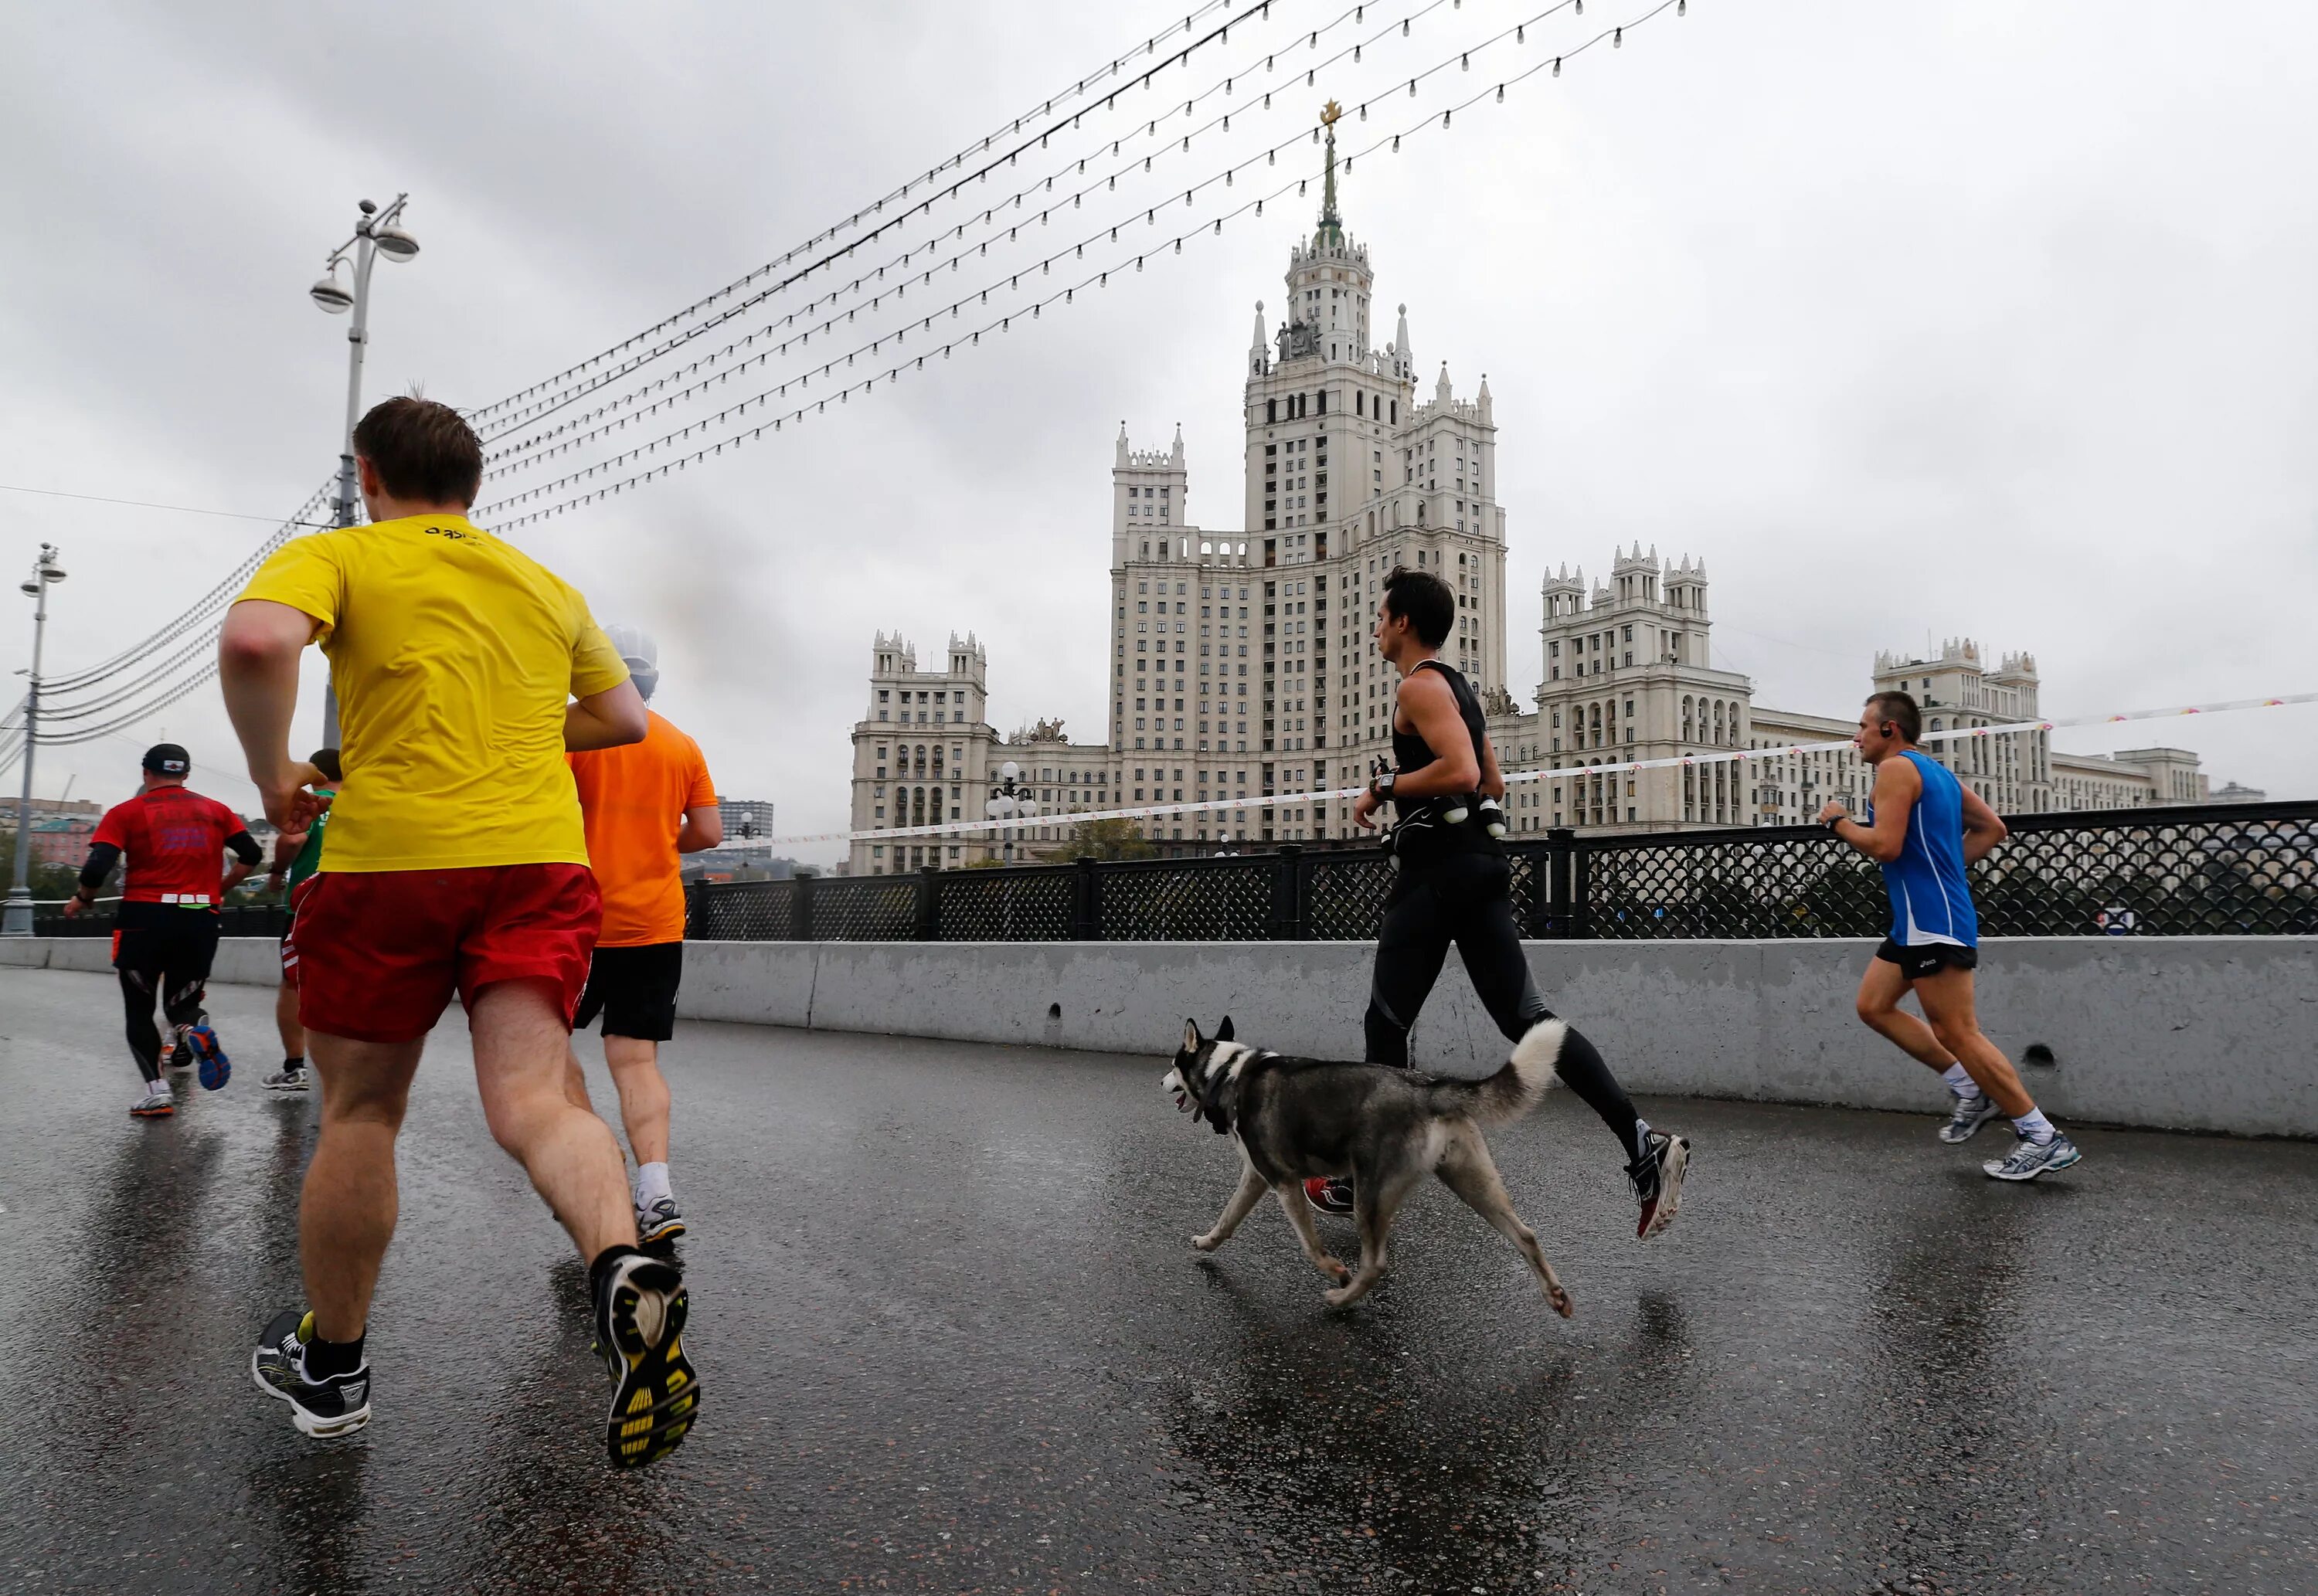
2194,1032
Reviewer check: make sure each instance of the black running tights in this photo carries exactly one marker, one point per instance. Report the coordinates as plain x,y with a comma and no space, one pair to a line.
1466,898
174,966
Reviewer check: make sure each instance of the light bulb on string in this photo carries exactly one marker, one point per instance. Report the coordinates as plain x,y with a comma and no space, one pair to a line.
1617,38
1557,66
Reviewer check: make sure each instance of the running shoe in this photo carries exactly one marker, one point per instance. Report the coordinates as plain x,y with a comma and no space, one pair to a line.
1655,1176
2029,1159
155,1104
1330,1196
1966,1115
658,1221
640,1336
216,1068
336,1405
287,1079
176,1053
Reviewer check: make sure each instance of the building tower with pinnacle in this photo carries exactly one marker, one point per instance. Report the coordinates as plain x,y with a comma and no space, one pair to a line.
1244,658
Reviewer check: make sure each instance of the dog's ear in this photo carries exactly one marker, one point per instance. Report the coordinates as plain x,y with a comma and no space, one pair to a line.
1190,1036
1224,1031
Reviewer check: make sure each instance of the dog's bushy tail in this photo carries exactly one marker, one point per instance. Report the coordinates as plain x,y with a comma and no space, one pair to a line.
1518,1087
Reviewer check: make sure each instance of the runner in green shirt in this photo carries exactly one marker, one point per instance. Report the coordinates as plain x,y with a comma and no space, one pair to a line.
297,855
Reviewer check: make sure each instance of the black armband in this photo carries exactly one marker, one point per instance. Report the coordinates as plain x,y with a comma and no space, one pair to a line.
102,857
244,846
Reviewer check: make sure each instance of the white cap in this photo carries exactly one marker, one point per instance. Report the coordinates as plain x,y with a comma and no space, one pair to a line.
639,653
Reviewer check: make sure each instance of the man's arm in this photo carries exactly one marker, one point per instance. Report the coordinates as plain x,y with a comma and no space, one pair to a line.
605,720
1982,829
1432,707
246,855
1897,788
704,827
257,666
286,847
102,857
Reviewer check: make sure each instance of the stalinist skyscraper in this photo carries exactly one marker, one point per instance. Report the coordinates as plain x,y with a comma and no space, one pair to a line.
1347,474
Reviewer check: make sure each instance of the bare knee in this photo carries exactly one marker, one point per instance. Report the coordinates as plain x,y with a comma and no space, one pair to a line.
1955,1035
518,1115
1873,1013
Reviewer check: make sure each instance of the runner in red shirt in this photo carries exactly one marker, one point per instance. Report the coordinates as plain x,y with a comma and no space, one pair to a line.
175,842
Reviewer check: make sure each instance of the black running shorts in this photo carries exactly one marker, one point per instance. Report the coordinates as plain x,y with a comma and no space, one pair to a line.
1928,958
634,990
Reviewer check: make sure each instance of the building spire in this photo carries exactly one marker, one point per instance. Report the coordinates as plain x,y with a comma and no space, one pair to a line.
1332,227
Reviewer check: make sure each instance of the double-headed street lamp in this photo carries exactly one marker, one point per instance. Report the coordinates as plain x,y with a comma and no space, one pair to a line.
16,919
379,232
1007,803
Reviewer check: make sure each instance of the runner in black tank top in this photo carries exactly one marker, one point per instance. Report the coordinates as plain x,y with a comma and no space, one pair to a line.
1452,883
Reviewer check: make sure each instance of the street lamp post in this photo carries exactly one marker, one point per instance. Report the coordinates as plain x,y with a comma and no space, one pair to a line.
379,232
1007,803
16,919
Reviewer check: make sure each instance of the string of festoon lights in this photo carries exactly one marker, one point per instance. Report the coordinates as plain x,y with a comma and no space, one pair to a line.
1148,66
909,263
1101,90
1739,757
1065,295
212,602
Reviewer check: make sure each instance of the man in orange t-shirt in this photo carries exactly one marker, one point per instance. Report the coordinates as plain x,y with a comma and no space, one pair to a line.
645,805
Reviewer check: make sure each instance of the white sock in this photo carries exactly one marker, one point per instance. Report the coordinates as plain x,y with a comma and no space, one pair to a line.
651,1184
2033,1125
1960,1080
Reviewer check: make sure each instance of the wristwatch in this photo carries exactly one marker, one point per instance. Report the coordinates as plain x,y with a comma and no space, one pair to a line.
1381,787
1837,822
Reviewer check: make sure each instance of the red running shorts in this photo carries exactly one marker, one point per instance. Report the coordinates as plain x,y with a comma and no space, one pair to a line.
378,954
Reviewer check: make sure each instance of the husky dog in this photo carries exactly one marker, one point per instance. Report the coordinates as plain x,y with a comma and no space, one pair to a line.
1386,1128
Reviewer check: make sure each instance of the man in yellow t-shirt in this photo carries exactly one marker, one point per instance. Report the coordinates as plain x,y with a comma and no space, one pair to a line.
458,864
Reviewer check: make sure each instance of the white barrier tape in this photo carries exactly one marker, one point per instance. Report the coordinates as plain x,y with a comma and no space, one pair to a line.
1513,777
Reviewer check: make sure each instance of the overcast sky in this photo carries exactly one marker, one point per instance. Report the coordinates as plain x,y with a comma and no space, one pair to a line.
1916,320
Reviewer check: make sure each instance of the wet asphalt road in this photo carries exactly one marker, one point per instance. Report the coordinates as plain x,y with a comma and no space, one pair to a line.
954,1339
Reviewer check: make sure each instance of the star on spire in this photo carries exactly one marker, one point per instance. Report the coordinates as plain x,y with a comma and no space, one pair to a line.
1331,227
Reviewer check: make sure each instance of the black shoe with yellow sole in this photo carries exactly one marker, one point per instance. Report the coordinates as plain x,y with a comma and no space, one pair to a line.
640,1311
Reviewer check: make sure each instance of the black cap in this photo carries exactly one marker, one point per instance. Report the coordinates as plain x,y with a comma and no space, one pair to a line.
167,758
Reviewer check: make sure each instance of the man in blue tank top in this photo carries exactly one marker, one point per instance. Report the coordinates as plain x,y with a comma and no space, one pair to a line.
1926,828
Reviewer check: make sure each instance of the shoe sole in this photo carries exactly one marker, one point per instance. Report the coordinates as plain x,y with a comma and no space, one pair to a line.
2075,1157
320,1429
1669,1203
658,1395
216,1069
300,1089
652,1236
163,1112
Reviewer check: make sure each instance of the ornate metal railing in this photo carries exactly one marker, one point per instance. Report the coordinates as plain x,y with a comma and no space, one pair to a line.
2197,870
2194,870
